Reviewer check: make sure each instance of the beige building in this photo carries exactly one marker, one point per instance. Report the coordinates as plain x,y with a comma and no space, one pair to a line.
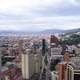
31,64
37,62
73,73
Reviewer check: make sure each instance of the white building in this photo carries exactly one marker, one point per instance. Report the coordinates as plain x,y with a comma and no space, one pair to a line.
77,51
56,51
53,75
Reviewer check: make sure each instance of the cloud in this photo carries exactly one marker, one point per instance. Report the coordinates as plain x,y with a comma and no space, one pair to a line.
39,7
40,14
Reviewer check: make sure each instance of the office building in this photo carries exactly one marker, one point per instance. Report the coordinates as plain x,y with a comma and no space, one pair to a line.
61,70
53,41
43,47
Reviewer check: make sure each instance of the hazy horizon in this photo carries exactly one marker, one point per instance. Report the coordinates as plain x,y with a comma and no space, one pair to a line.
54,29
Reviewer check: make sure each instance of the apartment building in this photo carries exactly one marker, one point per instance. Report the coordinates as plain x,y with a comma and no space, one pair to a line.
31,64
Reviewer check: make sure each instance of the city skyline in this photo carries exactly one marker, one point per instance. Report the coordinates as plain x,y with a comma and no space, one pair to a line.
38,15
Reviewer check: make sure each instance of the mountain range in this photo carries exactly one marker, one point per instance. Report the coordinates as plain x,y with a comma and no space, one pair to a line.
52,31
49,31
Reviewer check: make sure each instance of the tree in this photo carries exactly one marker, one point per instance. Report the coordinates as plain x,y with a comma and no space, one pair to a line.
53,64
73,39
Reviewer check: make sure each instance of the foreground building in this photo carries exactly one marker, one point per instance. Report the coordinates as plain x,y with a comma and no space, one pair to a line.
69,69
31,64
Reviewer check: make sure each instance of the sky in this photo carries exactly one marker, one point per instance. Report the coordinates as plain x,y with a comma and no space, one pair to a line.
37,15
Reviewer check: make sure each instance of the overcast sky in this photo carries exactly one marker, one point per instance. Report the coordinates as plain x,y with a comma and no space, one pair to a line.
36,15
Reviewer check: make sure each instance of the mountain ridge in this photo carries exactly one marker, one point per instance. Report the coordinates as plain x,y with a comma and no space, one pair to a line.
61,31
48,31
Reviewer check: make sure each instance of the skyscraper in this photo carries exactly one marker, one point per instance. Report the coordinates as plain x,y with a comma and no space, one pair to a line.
43,47
27,64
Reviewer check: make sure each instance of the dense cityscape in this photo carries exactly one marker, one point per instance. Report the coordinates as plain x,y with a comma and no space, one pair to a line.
39,39
40,57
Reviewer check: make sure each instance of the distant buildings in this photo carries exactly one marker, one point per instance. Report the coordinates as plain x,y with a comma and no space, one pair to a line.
26,56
